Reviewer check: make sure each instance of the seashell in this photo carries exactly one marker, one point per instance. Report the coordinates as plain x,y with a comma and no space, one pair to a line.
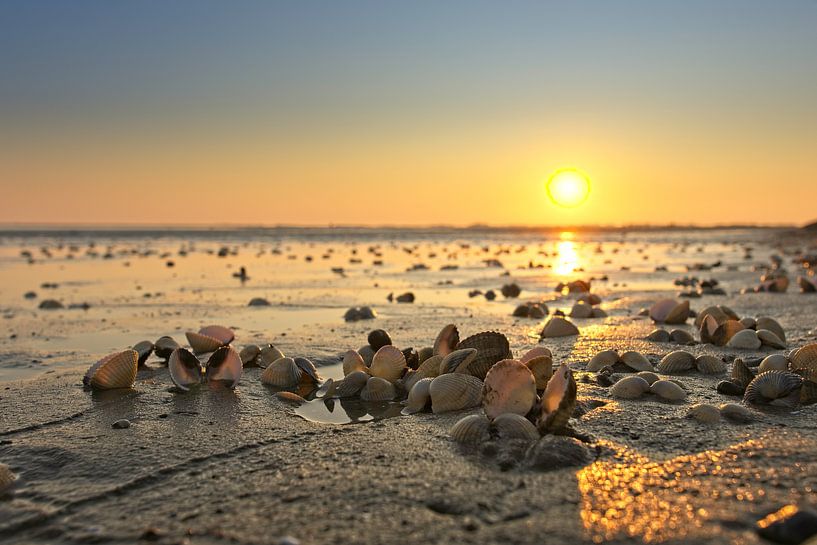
424,353
269,354
327,389
458,361
748,322
249,355
805,357
165,346
378,389
558,327
806,284
143,350
649,376
581,310
454,391
222,334
669,311
708,329
471,430
7,478
659,336
605,358
558,401
599,313
668,390
774,362
746,339
542,369
718,316
509,388
290,398
730,314
765,322
681,337
225,366
352,384
704,413
352,361
725,331
378,338
117,370
447,339
367,353
282,373
553,452
202,343
768,338
710,365
808,393
630,387
185,369
536,352
514,426
741,374
491,348
308,370
676,362
388,363
636,361
430,368
775,388
679,314
419,397
736,413
730,388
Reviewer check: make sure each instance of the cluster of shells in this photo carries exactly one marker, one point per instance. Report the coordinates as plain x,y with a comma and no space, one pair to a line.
721,326
531,309
669,311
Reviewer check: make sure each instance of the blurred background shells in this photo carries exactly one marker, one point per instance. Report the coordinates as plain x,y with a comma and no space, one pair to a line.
558,327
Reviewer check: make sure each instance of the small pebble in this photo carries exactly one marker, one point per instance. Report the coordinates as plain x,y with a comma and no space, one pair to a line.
121,424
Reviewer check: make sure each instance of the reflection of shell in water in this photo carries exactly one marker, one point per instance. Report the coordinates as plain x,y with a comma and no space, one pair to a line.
225,366
378,389
636,361
282,373
114,371
605,358
185,369
774,388
704,413
419,397
454,391
351,384
710,365
509,388
472,430
558,401
491,347
542,369
388,363
513,426
447,339
458,361
676,362
630,387
667,389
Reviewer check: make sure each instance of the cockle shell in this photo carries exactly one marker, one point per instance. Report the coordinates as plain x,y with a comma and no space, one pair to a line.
710,365
741,374
630,387
447,339
7,479
805,357
705,413
430,368
458,361
542,369
491,347
327,389
419,397
185,369
308,370
367,353
249,355
765,322
269,354
352,361
708,328
290,398
509,388
471,430
725,331
636,361
775,388
669,311
768,338
659,336
748,322
352,384
558,401
424,353
649,376
282,373
558,327
164,347
718,316
736,413
746,339
388,363
605,358
514,426
681,336
774,362
581,310
536,352
378,389
668,390
454,391
676,362
114,371
143,349
205,341
224,335
225,366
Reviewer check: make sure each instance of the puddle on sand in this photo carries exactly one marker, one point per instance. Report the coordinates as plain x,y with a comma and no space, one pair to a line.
347,411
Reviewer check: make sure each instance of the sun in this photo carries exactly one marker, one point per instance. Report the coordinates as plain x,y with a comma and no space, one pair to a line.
568,187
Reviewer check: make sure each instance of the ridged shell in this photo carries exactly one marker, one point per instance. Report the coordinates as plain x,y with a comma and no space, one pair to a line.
668,390
367,353
430,368
202,344
491,348
454,391
676,362
636,361
290,398
114,371
542,369
388,363
472,430
352,384
378,389
630,387
768,338
741,374
224,335
447,339
7,479
185,369
352,361
510,426
724,333
536,352
558,401
269,354
249,355
558,327
774,387
659,336
164,347
661,309
143,349
805,357
605,358
419,397
710,365
746,339
424,353
765,322
736,413
718,315
679,314
509,388
225,366
458,361
282,373
704,413
308,370
649,376
581,310
681,336
774,362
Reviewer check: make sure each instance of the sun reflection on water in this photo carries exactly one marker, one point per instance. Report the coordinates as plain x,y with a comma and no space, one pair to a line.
566,255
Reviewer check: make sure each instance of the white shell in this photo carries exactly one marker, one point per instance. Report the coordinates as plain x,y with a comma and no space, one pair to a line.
736,413
649,376
536,352
764,322
454,391
630,387
509,388
636,361
769,338
667,389
676,362
388,363
418,397
774,362
269,354
605,358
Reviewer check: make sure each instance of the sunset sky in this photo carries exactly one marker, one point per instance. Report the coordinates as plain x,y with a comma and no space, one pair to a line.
407,113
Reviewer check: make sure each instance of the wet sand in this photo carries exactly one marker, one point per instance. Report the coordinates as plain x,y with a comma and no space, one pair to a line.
220,466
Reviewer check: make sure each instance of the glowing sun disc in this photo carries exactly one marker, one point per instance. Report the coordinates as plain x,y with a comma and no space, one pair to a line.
568,187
